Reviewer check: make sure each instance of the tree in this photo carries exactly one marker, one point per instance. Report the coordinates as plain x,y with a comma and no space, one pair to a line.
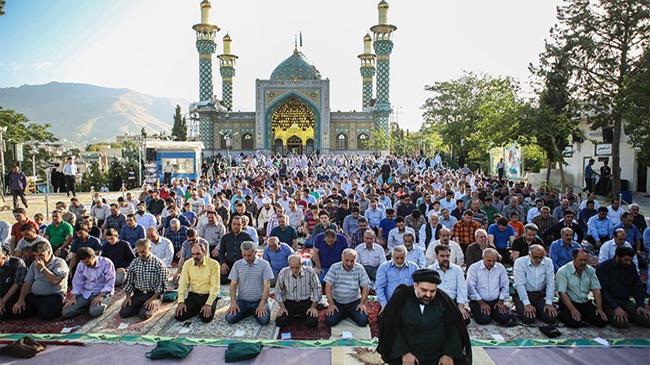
637,99
379,140
179,130
93,178
550,124
607,38
473,113
34,136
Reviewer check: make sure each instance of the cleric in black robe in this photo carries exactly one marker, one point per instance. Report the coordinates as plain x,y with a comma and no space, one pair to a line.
422,325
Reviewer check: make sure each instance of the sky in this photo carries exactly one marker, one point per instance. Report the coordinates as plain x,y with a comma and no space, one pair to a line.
148,45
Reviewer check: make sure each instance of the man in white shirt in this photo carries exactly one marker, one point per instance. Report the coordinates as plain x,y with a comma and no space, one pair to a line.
370,254
161,247
535,286
608,249
487,286
457,256
453,279
70,172
615,211
396,235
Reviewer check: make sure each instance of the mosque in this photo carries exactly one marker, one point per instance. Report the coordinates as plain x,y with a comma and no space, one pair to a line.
292,107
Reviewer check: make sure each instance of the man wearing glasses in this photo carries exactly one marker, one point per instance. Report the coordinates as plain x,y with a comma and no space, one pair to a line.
535,286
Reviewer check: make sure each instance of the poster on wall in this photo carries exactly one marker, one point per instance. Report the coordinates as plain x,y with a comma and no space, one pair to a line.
514,162
181,165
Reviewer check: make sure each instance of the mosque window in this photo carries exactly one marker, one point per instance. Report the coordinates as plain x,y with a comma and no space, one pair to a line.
247,142
362,141
341,142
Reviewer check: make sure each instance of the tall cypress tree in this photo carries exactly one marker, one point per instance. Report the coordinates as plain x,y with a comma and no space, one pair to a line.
179,130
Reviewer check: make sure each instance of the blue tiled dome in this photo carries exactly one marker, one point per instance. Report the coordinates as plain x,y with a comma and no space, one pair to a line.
295,67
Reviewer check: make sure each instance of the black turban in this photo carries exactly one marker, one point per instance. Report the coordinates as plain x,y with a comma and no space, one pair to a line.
428,275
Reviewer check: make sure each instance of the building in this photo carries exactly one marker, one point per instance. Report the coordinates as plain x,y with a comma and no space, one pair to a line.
292,107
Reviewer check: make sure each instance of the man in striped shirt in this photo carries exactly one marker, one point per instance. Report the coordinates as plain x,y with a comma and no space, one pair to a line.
297,291
250,282
342,284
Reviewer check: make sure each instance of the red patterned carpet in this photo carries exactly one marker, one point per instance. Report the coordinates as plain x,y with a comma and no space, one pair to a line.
301,332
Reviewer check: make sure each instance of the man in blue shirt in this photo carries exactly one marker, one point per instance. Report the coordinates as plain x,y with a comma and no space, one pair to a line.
501,235
633,233
392,274
589,176
351,222
285,233
561,251
277,254
374,214
387,224
599,228
328,248
131,232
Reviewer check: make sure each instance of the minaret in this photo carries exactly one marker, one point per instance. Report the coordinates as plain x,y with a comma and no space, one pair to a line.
367,70
205,33
383,47
227,68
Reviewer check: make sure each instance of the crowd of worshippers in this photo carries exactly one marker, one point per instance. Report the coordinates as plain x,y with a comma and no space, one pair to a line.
345,226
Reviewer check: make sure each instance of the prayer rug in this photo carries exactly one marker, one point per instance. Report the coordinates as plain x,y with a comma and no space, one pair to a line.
356,332
247,329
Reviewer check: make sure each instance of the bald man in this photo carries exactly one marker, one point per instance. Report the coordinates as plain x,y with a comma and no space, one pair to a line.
535,286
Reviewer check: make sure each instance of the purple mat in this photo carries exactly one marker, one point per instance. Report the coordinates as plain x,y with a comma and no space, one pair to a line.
577,355
134,355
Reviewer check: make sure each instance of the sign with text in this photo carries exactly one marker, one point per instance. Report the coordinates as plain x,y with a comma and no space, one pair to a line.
603,149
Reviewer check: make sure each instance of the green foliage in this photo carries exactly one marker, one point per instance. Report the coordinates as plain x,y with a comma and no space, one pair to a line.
179,129
379,140
534,157
93,178
34,136
637,110
473,113
607,39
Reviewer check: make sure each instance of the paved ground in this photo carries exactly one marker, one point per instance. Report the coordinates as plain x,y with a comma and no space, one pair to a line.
37,203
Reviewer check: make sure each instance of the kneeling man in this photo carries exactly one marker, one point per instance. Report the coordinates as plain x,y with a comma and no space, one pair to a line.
92,285
198,286
297,291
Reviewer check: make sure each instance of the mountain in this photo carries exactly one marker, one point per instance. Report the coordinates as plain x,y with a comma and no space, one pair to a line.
83,113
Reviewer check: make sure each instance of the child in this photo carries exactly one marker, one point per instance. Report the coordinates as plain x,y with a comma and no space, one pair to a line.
516,225
40,220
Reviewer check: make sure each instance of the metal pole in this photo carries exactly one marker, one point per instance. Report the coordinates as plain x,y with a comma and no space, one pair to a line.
140,164
2,153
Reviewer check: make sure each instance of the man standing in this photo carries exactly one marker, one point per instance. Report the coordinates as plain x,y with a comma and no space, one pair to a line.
589,176
70,172
402,338
574,282
168,170
250,283
370,254
198,286
17,185
45,286
453,280
146,281
297,291
535,286
92,285
487,285
342,284
620,280
392,274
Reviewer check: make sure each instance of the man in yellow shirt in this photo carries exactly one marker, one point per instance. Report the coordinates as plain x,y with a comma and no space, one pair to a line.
198,286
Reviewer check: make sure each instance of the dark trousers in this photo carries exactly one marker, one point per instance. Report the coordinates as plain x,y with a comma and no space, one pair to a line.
137,306
19,193
371,271
297,310
167,178
500,172
193,305
588,313
69,185
46,307
505,256
347,311
6,314
537,300
589,185
495,315
632,315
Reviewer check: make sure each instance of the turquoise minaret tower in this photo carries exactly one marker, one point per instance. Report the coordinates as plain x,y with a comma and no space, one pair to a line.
227,68
367,70
383,46
205,33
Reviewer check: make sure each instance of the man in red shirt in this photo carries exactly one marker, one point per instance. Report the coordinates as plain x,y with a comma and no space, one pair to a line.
464,229
21,218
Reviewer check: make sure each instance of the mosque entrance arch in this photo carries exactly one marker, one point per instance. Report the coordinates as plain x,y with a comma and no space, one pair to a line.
294,123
